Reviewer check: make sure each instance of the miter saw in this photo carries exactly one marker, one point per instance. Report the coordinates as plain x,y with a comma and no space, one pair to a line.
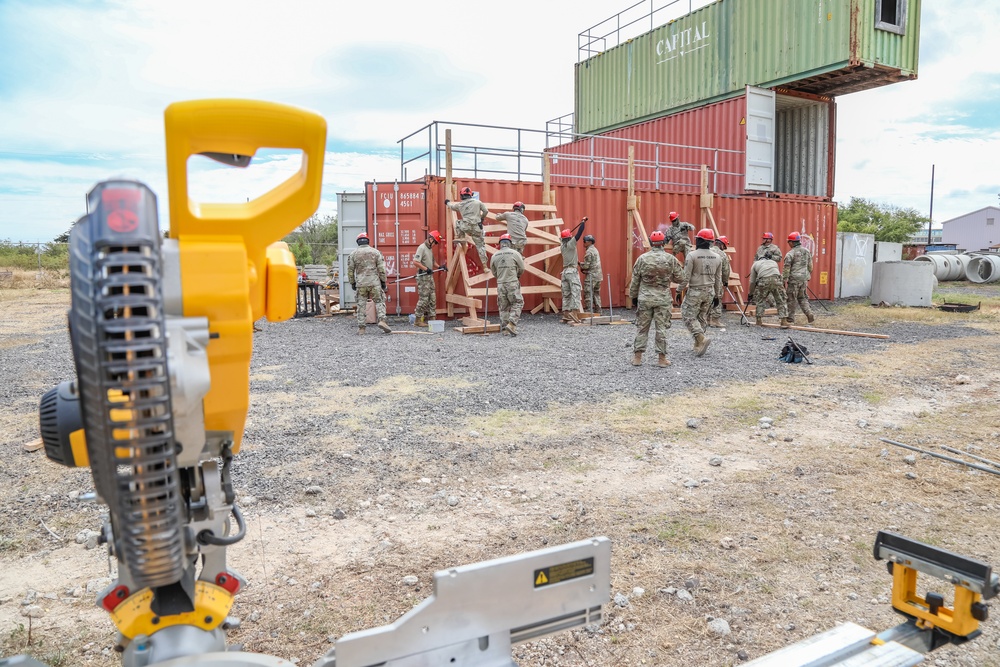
161,334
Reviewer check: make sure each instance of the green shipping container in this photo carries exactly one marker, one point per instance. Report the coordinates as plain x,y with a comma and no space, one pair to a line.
825,47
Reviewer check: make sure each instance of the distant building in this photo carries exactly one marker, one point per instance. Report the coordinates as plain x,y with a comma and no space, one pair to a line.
973,231
921,236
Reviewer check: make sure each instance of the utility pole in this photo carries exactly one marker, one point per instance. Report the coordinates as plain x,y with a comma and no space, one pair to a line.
930,217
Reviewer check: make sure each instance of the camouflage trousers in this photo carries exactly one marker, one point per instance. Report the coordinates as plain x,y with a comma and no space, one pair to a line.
571,290
694,310
716,311
519,247
769,290
374,293
510,302
660,317
592,294
426,301
797,295
463,229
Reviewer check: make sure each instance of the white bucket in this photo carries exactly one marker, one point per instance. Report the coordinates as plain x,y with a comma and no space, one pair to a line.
435,326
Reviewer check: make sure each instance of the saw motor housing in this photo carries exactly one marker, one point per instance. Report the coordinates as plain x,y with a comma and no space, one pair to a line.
162,332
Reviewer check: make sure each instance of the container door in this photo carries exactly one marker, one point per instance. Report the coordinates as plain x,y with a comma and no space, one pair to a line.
399,216
760,139
350,222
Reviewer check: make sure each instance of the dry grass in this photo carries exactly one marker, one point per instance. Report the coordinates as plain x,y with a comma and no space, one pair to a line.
22,280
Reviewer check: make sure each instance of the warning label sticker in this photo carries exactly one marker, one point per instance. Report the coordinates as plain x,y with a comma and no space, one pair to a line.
555,574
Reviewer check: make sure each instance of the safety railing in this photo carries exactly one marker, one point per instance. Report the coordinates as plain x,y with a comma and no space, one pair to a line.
632,22
486,151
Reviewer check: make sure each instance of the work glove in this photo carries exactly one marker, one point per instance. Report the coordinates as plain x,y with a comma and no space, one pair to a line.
354,286
443,268
447,201
383,285
480,224
715,302
636,305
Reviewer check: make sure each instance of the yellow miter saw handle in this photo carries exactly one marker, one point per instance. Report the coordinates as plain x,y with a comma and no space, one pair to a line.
233,269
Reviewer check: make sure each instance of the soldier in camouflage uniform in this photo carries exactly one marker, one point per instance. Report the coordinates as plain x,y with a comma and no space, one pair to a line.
766,287
703,275
517,226
721,243
650,290
677,234
423,259
798,269
470,222
366,273
591,267
571,287
767,248
507,265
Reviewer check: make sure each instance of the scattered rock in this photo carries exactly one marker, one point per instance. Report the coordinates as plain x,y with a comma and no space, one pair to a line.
719,627
727,543
715,461
314,490
410,580
692,583
33,611
669,590
852,596
742,655
910,460
911,475
310,512
765,420
862,423
338,514
790,627
248,501
693,423
691,483
254,616
684,596
764,425
473,434
638,592
452,501
788,438
884,454
621,600
793,413
962,379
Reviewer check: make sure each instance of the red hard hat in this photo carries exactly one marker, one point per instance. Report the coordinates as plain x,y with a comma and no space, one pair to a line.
436,235
768,235
657,237
794,236
566,234
504,237
724,240
465,191
674,215
706,234
518,205
362,235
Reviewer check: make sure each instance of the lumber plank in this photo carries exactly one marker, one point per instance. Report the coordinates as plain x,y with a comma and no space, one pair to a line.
548,222
489,328
539,256
33,446
412,333
534,311
466,301
504,206
860,334
532,289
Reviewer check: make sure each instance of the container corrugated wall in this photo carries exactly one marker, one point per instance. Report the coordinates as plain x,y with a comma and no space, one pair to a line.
804,145
398,226
743,219
712,53
882,47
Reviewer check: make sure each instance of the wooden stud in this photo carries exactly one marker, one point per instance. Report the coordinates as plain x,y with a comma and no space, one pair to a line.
836,332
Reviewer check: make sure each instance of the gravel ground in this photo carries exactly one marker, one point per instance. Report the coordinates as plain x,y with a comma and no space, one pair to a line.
367,461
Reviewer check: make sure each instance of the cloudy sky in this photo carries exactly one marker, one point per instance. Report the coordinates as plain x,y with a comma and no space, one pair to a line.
83,85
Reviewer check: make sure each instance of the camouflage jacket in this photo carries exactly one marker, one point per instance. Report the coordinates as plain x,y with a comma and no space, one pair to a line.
570,257
366,267
727,267
517,225
702,268
798,265
769,250
472,211
763,268
507,265
677,233
651,277
591,264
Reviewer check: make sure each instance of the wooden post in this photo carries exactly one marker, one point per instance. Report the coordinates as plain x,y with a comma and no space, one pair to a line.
449,227
629,222
547,199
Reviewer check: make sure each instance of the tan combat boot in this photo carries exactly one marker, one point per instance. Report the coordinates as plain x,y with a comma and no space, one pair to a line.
361,331
715,322
810,318
701,342
662,361
786,322
637,359
760,321
421,321
384,326
511,328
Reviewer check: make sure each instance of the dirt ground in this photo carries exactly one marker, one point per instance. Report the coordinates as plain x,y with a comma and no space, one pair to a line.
776,540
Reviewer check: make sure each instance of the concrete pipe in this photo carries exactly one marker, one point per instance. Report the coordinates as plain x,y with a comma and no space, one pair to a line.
964,261
984,269
946,267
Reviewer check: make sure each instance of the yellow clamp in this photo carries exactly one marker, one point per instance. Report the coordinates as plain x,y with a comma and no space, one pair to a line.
134,616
